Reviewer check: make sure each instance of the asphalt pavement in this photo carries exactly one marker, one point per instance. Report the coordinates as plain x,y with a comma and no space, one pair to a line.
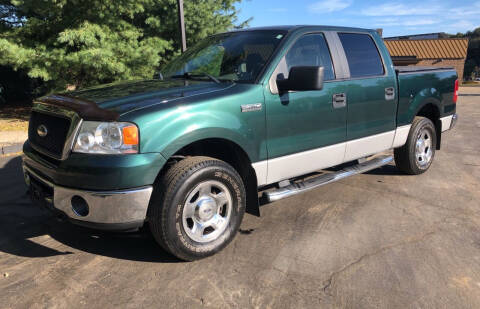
381,239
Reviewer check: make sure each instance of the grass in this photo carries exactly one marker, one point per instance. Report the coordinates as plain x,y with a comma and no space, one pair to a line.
14,117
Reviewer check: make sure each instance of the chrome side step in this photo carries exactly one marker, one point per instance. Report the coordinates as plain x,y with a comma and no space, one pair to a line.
312,183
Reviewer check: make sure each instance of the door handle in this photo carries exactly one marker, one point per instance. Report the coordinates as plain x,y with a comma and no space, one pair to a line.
389,93
339,100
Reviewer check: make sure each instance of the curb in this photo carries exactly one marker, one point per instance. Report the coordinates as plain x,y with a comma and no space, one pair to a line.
8,149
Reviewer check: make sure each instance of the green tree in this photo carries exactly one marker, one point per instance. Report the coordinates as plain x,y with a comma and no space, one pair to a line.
473,52
87,42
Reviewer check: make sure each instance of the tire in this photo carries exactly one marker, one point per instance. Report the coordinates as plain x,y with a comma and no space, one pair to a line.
416,156
197,207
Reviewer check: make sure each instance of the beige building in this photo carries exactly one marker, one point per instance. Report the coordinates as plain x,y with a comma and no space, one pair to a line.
429,52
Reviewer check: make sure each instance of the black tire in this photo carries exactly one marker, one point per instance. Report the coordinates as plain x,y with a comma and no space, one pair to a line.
405,157
170,198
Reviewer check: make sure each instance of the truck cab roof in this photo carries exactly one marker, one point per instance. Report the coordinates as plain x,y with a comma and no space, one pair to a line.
290,28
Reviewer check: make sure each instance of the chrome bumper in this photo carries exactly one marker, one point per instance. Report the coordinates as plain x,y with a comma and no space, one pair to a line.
95,208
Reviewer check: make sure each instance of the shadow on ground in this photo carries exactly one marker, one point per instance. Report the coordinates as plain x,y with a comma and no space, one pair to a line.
21,222
386,170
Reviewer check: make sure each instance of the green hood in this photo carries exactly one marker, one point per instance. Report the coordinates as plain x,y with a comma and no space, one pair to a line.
127,96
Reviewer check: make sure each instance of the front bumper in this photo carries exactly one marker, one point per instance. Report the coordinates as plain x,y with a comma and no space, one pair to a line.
96,172
113,210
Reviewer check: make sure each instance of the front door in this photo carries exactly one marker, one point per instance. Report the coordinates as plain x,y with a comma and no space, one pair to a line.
306,131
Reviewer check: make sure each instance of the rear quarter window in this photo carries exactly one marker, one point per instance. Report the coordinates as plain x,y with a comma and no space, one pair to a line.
362,55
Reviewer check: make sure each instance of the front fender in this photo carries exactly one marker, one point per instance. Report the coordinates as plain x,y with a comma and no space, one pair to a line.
184,125
250,147
170,126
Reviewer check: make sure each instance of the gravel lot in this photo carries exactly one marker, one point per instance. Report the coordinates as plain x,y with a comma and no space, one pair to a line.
381,239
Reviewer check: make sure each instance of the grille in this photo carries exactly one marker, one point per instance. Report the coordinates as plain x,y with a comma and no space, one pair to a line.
57,131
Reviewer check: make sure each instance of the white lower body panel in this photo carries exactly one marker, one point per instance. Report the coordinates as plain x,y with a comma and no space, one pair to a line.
401,135
261,169
369,145
304,162
446,122
286,167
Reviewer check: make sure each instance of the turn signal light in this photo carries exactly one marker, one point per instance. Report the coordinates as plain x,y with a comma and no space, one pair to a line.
130,135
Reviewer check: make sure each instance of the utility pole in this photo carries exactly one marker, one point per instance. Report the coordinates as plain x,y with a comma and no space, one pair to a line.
181,24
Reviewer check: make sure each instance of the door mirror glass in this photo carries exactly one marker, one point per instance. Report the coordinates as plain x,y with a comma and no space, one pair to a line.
302,78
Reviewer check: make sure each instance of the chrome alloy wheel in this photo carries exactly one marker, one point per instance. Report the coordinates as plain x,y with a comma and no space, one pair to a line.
207,211
423,148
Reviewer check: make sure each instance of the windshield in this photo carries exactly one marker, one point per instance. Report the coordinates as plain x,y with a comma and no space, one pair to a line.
235,56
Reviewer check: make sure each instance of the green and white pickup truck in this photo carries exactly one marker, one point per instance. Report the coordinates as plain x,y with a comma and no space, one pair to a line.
238,113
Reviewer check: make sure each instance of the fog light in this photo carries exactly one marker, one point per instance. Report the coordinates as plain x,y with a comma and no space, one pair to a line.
79,206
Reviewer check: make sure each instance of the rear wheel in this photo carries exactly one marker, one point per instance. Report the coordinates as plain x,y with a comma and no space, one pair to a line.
197,207
416,156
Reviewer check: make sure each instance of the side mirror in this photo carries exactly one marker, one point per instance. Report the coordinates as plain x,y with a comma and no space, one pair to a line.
302,78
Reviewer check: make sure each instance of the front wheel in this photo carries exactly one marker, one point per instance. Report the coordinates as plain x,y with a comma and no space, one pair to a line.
416,156
197,207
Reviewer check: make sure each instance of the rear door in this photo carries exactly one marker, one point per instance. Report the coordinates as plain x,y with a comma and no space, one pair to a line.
371,96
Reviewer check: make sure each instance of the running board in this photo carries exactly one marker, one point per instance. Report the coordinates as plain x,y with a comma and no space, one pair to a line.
312,183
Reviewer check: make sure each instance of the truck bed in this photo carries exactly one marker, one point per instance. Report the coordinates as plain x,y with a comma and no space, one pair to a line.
419,84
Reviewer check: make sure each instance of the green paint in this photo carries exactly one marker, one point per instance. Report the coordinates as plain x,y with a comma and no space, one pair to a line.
212,113
417,90
300,121
175,113
97,172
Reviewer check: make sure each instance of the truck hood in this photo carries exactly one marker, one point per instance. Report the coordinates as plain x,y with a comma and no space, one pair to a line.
108,102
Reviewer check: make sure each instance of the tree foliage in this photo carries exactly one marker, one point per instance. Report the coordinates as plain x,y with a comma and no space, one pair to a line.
472,62
87,42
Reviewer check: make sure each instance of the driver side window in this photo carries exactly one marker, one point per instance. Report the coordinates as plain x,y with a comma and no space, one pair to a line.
309,50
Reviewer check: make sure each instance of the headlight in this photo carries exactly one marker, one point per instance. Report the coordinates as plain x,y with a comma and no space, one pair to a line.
107,138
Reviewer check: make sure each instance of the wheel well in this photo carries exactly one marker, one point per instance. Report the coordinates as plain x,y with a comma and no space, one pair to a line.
234,155
432,112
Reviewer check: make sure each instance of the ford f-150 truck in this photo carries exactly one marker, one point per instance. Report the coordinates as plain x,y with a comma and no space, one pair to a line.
238,113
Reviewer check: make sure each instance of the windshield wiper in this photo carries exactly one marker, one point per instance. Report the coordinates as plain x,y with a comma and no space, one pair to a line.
190,75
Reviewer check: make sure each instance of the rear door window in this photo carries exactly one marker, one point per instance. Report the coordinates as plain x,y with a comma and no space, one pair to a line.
362,55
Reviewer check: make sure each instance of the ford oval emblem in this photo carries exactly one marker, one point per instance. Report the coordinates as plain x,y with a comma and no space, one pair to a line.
42,130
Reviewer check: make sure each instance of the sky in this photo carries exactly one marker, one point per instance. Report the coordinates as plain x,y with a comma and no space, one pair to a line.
395,17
